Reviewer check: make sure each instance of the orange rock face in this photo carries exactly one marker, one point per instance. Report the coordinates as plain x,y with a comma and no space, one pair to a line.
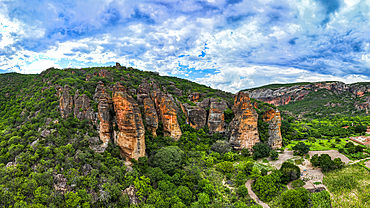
273,118
194,96
243,128
166,110
131,132
216,117
151,118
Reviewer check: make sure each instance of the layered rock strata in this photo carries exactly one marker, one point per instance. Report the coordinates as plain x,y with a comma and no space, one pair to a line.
273,118
216,117
130,136
167,113
197,117
243,129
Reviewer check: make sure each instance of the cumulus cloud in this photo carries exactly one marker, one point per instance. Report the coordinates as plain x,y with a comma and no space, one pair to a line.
226,44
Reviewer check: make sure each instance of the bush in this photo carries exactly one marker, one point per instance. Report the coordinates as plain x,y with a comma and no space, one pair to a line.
261,150
168,159
295,198
290,172
266,187
301,148
242,191
297,183
274,155
226,167
221,147
245,152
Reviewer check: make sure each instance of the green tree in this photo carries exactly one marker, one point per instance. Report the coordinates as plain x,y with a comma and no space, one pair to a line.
261,150
242,191
226,166
297,198
168,159
266,187
301,148
143,186
221,147
290,172
274,155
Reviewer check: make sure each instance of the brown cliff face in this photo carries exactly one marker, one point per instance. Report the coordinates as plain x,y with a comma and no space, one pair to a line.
105,108
82,108
151,117
167,113
216,117
197,117
194,96
131,133
243,129
273,118
65,102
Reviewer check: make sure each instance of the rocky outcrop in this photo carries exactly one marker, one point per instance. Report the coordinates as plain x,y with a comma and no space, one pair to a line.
197,117
243,129
206,103
150,114
167,113
195,96
130,136
104,113
118,66
131,193
284,95
65,102
216,117
273,118
82,108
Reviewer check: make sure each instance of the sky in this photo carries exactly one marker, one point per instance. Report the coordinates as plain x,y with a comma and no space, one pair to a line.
226,44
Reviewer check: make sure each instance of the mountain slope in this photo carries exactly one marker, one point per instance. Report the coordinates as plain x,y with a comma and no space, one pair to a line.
315,100
91,138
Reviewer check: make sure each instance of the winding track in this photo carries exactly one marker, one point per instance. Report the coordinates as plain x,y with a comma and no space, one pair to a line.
248,184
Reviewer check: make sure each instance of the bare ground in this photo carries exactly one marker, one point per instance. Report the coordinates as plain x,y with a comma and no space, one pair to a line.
367,164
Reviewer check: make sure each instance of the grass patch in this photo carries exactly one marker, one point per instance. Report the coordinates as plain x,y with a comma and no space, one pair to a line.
320,144
349,186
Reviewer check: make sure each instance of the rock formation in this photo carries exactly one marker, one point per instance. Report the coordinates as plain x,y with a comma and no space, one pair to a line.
197,117
243,129
216,117
65,102
104,113
130,136
167,113
194,96
82,108
273,118
284,95
150,114
118,66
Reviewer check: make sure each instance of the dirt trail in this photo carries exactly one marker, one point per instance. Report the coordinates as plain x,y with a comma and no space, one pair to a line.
248,184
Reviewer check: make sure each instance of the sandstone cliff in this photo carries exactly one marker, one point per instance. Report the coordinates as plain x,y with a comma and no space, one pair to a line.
130,136
216,117
243,129
273,118
167,113
284,95
197,117
82,108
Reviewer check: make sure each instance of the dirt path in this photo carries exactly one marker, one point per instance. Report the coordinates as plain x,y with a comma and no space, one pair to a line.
287,154
248,184
367,164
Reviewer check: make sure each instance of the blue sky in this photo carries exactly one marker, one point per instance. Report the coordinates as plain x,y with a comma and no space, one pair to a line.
226,44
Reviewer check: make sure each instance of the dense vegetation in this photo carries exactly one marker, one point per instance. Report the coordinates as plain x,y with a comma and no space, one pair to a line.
199,170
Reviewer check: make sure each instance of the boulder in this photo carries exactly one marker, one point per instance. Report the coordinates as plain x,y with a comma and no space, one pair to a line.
131,193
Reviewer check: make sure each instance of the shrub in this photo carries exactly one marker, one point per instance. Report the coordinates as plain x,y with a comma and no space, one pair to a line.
295,198
221,147
226,167
168,159
274,155
242,191
245,152
266,187
289,172
301,148
298,183
261,150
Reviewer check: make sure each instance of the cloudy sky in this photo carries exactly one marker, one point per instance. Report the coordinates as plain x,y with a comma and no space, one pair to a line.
226,44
